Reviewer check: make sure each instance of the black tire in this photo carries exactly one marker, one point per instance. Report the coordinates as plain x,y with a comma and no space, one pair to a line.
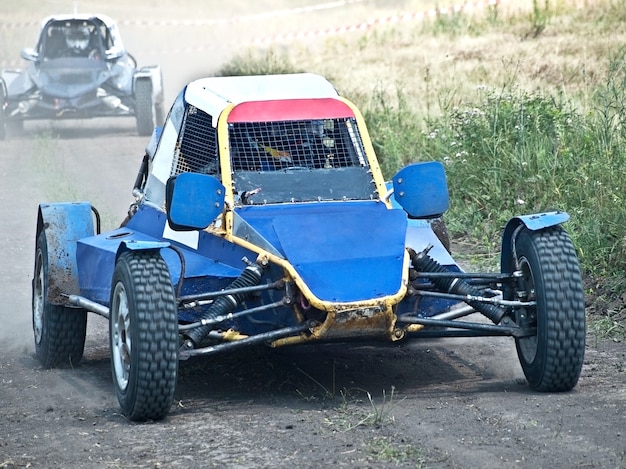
144,107
59,330
552,359
143,334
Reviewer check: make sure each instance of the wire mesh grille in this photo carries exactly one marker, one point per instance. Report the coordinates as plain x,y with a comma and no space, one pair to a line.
197,151
267,146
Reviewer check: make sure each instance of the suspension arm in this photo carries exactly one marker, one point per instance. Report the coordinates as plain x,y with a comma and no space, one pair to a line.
221,318
184,354
495,300
191,301
510,329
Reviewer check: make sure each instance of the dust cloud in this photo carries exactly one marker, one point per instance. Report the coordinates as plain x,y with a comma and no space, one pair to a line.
97,160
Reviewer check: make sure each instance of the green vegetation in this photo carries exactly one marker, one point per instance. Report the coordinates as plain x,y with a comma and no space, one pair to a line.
48,165
509,151
255,63
389,450
45,152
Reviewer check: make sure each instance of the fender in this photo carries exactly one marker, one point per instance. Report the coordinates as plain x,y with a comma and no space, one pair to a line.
533,222
15,82
64,225
140,246
133,245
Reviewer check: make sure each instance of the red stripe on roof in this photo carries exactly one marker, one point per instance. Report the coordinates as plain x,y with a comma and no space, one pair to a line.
289,109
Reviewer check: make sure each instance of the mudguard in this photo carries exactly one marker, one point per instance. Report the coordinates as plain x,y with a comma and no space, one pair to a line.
16,82
533,222
64,225
135,245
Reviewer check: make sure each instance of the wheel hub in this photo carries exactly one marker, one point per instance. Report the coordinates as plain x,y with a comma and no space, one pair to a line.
527,317
120,338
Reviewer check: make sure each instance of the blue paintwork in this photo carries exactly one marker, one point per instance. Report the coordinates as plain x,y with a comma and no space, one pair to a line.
96,256
194,200
64,224
347,255
332,245
421,189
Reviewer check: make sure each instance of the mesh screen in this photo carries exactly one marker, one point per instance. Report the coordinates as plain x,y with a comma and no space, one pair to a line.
197,150
266,146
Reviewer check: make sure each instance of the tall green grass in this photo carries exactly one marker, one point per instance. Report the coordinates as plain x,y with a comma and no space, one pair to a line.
509,151
258,62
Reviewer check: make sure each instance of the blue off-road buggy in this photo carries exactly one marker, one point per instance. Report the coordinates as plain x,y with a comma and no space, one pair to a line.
262,217
80,68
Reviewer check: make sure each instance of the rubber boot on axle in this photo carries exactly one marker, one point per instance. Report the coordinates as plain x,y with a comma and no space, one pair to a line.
251,276
422,262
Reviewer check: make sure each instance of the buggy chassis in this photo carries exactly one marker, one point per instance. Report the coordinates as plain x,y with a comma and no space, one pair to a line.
232,243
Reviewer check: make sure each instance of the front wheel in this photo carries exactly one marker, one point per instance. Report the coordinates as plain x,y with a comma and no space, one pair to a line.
59,330
143,334
552,358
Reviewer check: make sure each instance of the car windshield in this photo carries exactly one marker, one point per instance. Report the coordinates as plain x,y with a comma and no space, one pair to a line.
299,161
72,38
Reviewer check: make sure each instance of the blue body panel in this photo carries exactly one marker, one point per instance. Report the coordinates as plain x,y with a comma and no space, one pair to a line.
422,189
343,252
194,200
97,255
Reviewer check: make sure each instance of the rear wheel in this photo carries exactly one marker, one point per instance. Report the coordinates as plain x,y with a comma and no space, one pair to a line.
552,358
143,333
59,330
144,107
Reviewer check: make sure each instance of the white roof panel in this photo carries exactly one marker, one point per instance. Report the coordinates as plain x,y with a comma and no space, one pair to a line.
78,16
213,94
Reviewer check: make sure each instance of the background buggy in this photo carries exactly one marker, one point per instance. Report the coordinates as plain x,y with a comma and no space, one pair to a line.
80,69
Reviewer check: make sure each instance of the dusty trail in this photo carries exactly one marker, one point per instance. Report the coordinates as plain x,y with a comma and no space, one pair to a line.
445,404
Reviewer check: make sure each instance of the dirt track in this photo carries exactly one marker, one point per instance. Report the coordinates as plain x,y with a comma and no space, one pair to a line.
449,404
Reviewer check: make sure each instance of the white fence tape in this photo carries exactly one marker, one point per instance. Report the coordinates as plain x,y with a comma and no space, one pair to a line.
287,37
212,22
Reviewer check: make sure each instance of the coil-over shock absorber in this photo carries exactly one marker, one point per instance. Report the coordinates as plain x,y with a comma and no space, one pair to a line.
422,262
251,276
